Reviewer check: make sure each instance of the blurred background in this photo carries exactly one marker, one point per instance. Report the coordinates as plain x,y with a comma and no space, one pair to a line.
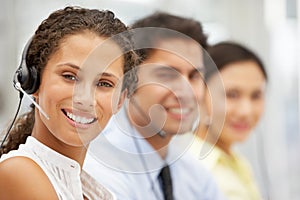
269,27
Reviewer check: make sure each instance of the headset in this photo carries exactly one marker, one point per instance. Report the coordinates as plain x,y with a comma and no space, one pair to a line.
27,77
161,132
26,80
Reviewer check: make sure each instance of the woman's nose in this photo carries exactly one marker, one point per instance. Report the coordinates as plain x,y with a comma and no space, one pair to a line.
83,95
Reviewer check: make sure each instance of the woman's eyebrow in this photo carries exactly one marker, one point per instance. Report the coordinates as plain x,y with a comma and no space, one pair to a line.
70,65
106,74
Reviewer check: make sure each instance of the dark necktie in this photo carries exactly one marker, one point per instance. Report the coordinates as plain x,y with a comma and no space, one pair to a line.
166,180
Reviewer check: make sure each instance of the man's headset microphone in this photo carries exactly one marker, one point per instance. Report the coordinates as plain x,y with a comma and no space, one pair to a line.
26,80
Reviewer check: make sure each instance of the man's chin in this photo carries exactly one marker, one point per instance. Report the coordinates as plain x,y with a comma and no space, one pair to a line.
179,132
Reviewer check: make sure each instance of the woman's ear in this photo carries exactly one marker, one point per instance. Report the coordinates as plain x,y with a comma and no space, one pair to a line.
35,95
120,101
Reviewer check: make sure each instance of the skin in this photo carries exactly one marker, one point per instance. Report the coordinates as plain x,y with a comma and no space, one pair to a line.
66,75
244,85
169,90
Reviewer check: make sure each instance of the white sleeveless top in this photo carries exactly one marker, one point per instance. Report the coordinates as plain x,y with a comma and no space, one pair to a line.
69,182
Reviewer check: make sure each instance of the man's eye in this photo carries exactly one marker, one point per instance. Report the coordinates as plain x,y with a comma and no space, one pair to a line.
196,76
166,75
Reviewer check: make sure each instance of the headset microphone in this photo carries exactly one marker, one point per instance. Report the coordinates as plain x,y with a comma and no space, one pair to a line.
18,87
161,133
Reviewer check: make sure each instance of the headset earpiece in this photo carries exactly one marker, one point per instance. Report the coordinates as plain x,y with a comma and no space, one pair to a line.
28,77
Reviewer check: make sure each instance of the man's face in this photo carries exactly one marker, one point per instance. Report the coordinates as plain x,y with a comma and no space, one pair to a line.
169,89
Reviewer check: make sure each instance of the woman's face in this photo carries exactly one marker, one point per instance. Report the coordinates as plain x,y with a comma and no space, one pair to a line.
79,90
244,85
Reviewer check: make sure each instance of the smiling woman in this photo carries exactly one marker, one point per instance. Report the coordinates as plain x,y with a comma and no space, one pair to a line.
238,102
83,63
77,95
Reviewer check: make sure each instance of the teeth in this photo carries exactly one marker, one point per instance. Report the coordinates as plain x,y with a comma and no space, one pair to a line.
179,110
78,119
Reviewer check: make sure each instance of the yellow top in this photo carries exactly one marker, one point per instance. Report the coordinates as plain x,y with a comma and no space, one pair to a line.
232,172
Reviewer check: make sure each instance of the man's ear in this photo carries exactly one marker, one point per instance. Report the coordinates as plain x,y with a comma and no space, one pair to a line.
207,103
121,101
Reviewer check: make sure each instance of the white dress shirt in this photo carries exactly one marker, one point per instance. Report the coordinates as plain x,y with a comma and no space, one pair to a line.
123,161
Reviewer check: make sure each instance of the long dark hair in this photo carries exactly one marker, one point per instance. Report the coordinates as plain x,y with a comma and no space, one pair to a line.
225,53
45,42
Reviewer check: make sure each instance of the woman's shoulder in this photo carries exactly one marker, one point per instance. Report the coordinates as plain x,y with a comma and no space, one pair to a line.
22,178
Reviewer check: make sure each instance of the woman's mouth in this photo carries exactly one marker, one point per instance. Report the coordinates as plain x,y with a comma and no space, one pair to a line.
77,118
241,126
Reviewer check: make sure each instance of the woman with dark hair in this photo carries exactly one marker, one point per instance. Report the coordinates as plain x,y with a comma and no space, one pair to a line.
234,103
81,64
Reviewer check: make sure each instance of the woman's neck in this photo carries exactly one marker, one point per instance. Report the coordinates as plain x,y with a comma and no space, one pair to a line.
224,147
206,134
75,153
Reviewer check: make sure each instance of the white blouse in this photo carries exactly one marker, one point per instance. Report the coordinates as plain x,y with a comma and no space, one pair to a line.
69,182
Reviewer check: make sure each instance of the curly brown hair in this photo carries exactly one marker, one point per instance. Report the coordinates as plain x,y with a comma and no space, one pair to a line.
46,40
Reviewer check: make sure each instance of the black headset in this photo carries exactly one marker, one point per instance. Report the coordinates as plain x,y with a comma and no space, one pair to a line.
28,77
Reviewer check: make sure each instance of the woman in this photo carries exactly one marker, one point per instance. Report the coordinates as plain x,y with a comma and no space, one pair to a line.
79,74
233,105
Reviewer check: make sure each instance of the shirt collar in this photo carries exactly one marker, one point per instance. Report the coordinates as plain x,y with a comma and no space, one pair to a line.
43,151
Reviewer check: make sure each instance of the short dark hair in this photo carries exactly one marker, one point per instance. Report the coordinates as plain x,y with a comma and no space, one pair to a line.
177,24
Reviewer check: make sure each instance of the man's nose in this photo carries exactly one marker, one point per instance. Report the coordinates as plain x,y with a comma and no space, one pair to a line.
183,90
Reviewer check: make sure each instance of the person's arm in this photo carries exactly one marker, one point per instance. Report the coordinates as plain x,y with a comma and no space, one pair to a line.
22,178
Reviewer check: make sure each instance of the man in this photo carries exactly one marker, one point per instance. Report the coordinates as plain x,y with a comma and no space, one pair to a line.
140,145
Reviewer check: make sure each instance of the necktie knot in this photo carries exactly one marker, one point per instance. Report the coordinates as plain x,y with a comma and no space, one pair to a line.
166,180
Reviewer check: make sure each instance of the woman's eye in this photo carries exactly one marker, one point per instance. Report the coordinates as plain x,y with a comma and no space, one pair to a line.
257,95
104,84
70,77
232,94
